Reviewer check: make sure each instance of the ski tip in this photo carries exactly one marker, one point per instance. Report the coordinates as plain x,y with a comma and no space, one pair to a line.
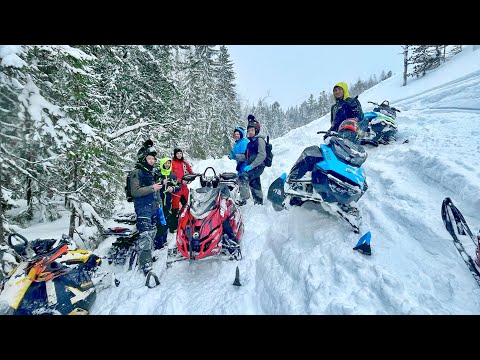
363,244
365,239
148,281
236,282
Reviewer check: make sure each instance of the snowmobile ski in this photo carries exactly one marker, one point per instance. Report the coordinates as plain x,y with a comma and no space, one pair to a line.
363,244
456,225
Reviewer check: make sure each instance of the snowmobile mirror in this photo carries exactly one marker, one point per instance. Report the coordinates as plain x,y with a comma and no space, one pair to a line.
189,177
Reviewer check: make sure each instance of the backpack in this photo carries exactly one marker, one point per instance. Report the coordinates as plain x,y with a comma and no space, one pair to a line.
269,158
128,191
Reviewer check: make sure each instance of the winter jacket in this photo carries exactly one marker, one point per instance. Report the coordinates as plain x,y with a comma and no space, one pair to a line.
238,151
345,108
180,168
142,179
172,179
256,152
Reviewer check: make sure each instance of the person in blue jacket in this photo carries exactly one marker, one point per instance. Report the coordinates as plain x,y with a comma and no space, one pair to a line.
238,151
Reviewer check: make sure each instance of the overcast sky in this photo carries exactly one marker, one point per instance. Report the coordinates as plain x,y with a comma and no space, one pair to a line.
290,73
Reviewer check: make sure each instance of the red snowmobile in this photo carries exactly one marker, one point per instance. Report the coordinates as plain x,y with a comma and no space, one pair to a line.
210,223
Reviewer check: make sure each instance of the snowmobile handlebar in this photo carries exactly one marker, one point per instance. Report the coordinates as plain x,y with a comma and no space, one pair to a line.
21,246
223,176
39,246
384,103
328,133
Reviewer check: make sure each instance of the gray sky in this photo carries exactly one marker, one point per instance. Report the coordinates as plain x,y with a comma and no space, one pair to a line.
290,73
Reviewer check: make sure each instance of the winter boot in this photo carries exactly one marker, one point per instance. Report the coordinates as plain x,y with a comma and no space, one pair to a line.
145,241
244,191
145,261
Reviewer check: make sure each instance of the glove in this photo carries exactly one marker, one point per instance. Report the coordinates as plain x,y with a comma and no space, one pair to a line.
183,200
247,168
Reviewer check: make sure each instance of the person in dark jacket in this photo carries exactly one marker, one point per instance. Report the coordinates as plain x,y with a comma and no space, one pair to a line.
238,151
345,108
146,200
255,155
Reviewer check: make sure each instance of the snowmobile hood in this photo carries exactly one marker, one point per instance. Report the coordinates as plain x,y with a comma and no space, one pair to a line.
344,86
162,169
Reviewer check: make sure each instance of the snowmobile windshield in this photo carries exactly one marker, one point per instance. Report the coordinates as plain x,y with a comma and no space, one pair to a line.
203,200
386,110
348,152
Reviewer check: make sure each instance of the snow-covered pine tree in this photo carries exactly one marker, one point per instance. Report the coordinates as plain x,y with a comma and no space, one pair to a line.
228,107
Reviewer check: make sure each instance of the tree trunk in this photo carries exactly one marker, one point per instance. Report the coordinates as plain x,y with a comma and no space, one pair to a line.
1,208
29,199
73,214
405,64
72,223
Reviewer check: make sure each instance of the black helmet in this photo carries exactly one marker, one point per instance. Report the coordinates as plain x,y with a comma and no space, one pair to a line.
255,124
145,152
142,152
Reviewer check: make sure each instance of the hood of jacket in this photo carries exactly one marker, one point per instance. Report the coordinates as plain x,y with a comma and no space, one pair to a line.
242,132
164,171
344,86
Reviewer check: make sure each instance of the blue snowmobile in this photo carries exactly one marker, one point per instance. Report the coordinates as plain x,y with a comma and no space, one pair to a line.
382,125
329,174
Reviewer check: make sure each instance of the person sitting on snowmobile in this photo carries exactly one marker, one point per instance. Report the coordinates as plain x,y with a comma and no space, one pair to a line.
255,156
238,151
146,202
345,108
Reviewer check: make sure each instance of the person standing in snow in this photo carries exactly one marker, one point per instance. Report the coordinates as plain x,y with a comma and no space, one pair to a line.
255,156
146,200
238,151
180,167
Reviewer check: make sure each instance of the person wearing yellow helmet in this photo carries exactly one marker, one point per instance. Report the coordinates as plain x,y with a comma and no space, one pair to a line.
345,108
170,188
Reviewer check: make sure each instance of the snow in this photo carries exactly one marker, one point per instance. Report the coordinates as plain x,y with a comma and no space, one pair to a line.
301,262
9,56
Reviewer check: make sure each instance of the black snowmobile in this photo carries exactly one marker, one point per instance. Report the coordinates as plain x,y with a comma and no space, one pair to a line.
125,246
382,124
